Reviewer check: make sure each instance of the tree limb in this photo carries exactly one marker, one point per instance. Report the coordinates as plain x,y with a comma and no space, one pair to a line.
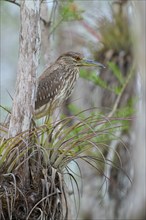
46,23
23,103
13,1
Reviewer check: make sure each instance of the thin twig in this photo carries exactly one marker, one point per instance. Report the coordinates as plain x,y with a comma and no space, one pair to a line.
13,1
46,23
120,95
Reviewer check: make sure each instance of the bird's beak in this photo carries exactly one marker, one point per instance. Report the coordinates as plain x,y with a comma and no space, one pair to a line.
86,62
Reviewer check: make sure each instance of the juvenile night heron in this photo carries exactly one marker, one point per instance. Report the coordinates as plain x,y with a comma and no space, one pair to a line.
56,83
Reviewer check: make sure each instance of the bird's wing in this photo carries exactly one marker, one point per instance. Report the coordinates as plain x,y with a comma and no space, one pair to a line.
49,85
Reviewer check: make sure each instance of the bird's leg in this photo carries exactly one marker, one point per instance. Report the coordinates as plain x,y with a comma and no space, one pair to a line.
49,124
33,124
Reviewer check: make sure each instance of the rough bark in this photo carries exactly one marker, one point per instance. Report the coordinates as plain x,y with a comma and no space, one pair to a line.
23,103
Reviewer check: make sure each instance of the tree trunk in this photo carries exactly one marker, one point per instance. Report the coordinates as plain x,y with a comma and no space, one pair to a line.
23,103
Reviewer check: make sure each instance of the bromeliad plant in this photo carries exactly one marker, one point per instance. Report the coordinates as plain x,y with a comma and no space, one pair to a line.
33,164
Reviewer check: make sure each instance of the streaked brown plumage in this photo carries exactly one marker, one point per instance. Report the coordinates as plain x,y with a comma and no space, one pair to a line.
56,83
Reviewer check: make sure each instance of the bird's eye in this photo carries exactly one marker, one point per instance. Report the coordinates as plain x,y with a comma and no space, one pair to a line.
78,58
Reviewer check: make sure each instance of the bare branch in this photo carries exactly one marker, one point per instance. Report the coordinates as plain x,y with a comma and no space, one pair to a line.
13,1
46,23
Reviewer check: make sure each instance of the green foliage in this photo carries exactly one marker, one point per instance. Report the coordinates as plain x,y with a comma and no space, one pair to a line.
73,109
97,80
70,12
115,33
116,71
93,77
62,146
127,112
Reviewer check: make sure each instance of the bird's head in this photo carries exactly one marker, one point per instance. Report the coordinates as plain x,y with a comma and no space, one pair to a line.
77,59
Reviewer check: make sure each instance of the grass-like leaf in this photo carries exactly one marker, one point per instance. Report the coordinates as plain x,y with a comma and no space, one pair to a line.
37,160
